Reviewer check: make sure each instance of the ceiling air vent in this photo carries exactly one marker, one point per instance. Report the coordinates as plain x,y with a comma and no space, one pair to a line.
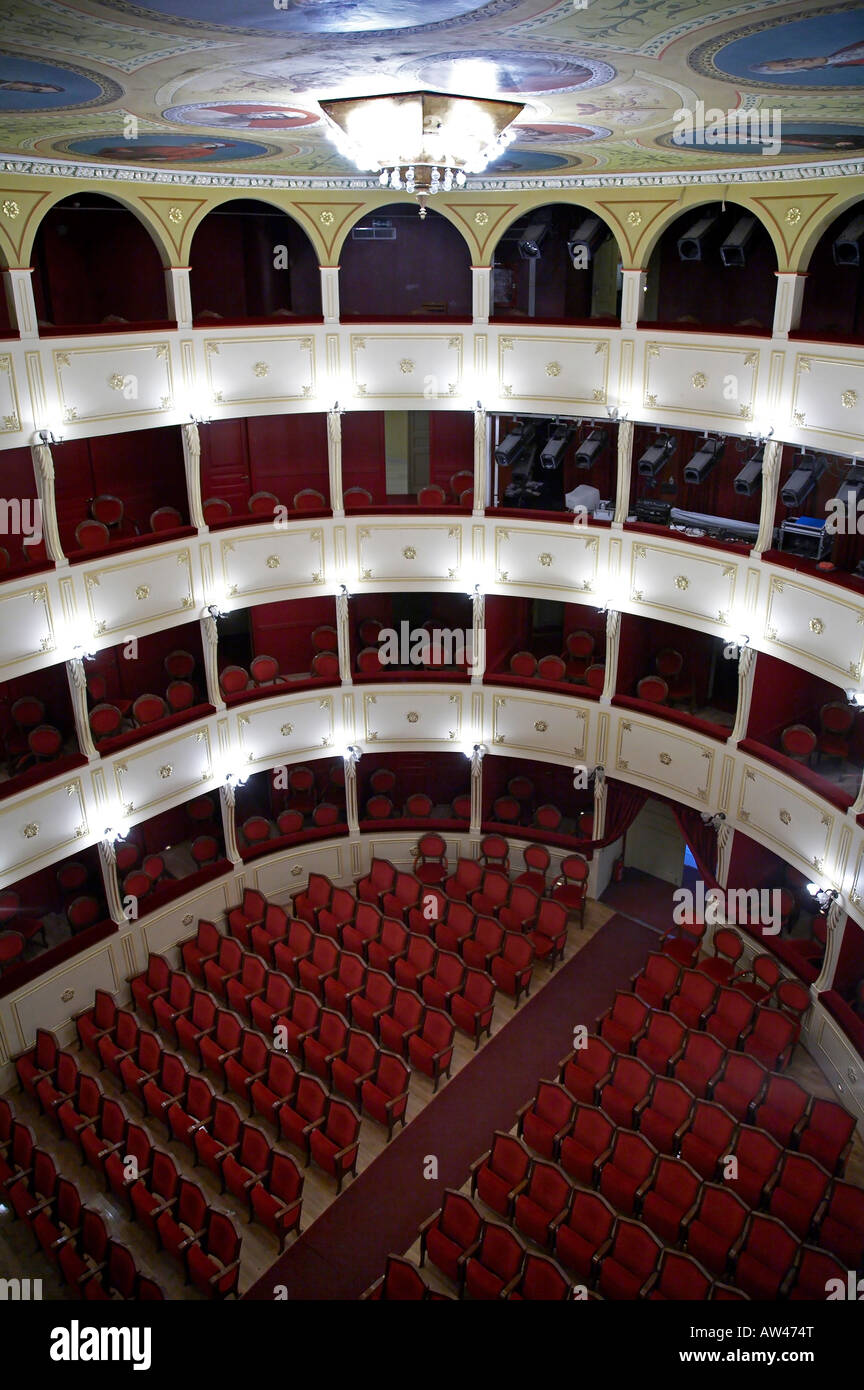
379,229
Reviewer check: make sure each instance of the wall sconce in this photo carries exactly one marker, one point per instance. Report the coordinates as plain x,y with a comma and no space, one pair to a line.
352,755
855,697
49,436
342,591
474,591
477,751
714,821
213,610
741,639
825,897
235,779
115,832
82,652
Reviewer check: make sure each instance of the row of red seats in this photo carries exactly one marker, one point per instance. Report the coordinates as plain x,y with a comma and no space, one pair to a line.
72,1236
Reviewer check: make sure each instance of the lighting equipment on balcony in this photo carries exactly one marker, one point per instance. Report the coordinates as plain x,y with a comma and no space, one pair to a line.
531,240
584,241
515,445
750,477
591,448
423,142
733,247
803,479
693,245
851,491
553,451
847,247
656,455
706,458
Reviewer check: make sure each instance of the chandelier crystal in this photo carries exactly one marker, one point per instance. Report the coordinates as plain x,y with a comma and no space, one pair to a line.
422,142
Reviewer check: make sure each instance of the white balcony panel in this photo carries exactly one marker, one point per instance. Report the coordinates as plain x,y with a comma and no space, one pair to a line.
402,850
657,756
553,727
670,579
836,1054
828,397
129,595
554,368
251,370
113,381
550,559
289,873
813,621
284,732
793,820
41,827
10,410
411,551
26,625
149,780
694,378
413,716
393,365
178,921
280,559
50,1001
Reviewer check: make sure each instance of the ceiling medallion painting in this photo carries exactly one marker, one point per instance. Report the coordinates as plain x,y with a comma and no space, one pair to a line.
231,91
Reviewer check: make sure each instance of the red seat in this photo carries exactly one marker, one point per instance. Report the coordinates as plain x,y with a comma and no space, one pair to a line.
716,1229
304,1113
83,912
356,1063
671,1201
548,935
105,721
501,1173
417,962
204,850
730,1018
772,1038
741,1085
627,1172
180,695
291,950
767,1264
667,1114
760,981
537,860
404,895
147,709
680,1278
662,1045
694,998
842,1227
431,1050
155,981
708,1138
213,1263
325,638
628,1089
276,1201
493,1271
234,680
472,1007
626,1270
827,1135
540,1209
513,968
494,853
836,718
334,1146
385,1095
798,741
579,648
653,689
624,1022
544,1121
372,1005
701,1063
520,910
728,949
682,943
585,1237
430,863
814,1275
269,1092
91,535
320,965
400,1020
571,887
325,1043
445,981
523,664
309,499
451,1236
757,1157
348,980
586,1070
586,1144
800,1194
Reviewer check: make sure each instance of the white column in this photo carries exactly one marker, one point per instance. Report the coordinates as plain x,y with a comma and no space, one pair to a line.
343,637
226,802
478,637
746,676
210,642
351,813
330,292
859,800
113,896
18,286
632,287
481,459
334,460
836,920
179,294
43,468
725,836
787,302
476,792
613,637
599,804
770,484
192,461
481,291
624,466
78,689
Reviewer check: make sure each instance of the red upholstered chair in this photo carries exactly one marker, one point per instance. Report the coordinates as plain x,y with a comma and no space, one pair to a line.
107,509
701,1063
842,1227
627,1270
71,878
485,943
836,719
548,934
325,666
201,810
662,1044
242,919
227,963
494,1270
694,998
742,1084
716,1230
492,895
579,648
375,1000
626,1174
571,886
500,1174
45,742
467,878
537,860
91,535
681,1278
767,1263
216,509
369,661
379,808
84,912
180,696
263,503
653,689
234,680
827,1135
147,709
222,1134
540,1209
401,1282
204,850
730,1018
656,982
669,664
431,1050
354,497
27,711
304,1112
334,1146
199,1024
547,817
278,1084
289,822
256,830
213,1263
667,1115
455,926
318,966
586,1144
155,980
670,1202
431,496
815,1271
309,499
451,1236
728,948
799,1195
758,1157
585,1237
264,670
772,1038
277,1201
165,519
513,967
153,866
400,1020
472,1007
430,863
783,1110
798,742
544,1121
418,806
792,999
506,809
325,638
444,981
325,814
461,480
551,668
627,1091
417,962
384,1096
624,1022
355,1064
586,1070
105,721
523,664
595,677
494,853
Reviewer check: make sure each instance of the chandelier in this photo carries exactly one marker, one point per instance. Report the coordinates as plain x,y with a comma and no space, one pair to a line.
422,142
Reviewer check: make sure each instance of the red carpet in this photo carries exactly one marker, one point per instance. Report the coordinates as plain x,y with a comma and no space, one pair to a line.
644,898
344,1250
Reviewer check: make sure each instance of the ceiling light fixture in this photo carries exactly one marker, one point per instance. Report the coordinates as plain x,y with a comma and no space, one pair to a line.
422,142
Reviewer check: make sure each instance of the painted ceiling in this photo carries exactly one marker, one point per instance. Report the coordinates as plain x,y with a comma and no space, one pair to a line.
232,85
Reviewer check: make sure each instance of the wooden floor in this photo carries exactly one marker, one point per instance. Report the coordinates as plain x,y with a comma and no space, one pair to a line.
259,1249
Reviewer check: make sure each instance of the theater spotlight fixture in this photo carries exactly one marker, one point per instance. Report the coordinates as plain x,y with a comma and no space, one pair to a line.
424,142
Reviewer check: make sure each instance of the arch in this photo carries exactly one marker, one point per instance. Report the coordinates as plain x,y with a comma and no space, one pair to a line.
148,222
414,269
684,206
373,205
833,302
830,214
250,260
555,286
82,273
708,291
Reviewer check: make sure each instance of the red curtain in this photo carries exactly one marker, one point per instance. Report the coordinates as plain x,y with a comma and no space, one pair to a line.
702,840
623,804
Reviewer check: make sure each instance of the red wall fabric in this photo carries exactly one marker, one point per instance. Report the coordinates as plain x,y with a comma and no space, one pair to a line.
850,962
707,292
234,270
784,694
716,496
145,673
281,454
451,446
284,630
363,452
427,269
143,467
833,304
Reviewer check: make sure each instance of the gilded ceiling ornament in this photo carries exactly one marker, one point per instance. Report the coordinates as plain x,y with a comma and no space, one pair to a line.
261,369
698,381
142,592
849,399
412,716
793,216
286,730
545,559
272,562
553,368
116,381
817,626
326,218
175,215
11,209
406,366
681,581
31,830
634,218
409,553
166,771
540,725
481,218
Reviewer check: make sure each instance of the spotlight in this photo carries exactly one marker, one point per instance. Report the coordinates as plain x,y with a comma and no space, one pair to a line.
514,445
704,461
750,477
733,248
531,240
591,448
584,241
851,490
656,455
694,243
552,453
803,479
847,248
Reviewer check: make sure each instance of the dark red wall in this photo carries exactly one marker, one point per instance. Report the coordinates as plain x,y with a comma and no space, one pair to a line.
144,467
265,453
284,630
424,273
232,265
708,294
833,304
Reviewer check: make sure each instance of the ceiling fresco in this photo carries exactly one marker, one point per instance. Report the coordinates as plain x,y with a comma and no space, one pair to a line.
232,86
